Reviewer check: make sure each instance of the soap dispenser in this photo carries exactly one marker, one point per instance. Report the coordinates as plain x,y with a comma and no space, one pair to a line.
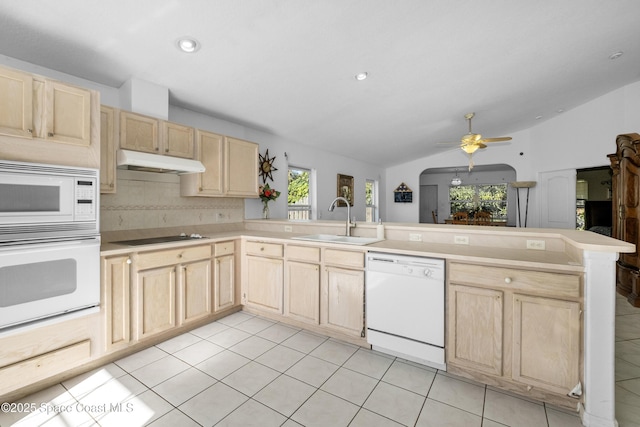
380,229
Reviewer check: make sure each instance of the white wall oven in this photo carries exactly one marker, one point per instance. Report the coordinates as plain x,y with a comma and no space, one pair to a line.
49,241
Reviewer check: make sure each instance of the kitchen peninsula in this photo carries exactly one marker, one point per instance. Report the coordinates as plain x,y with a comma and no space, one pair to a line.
488,270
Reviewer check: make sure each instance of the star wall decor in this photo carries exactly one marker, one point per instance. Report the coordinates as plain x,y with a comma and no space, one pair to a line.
266,166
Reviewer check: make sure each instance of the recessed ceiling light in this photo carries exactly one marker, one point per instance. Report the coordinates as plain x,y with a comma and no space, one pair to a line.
362,76
538,117
615,55
188,45
560,110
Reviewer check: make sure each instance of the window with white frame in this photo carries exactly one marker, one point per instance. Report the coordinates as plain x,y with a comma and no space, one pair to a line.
371,200
299,193
480,197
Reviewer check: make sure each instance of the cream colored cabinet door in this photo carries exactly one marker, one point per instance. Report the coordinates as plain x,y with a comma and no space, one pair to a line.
302,292
546,342
241,172
195,293
107,149
264,284
115,297
208,149
475,328
342,306
224,283
177,140
139,133
155,306
67,113
16,103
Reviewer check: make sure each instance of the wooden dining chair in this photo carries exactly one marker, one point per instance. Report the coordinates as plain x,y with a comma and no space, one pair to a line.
460,218
482,218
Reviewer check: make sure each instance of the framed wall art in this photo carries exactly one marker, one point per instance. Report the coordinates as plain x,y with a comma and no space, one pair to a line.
345,189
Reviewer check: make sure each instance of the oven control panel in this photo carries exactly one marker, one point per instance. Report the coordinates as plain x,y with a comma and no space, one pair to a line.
86,192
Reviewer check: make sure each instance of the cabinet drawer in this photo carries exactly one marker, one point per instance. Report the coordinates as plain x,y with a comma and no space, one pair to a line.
303,253
43,366
223,248
264,249
539,282
344,258
172,256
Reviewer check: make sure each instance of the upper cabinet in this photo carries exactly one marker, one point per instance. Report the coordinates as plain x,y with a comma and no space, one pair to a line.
139,133
48,121
241,173
108,132
177,140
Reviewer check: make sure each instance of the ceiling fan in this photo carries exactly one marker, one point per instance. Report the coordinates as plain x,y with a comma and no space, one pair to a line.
471,142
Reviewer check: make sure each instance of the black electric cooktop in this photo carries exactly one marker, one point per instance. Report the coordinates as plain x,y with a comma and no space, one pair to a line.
153,240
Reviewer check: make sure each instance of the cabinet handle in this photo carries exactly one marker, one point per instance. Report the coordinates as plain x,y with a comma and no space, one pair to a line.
30,130
507,280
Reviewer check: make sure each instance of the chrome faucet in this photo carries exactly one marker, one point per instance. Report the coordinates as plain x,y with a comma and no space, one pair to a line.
349,224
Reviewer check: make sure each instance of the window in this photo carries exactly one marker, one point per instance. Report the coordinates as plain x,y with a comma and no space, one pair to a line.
473,198
371,192
298,194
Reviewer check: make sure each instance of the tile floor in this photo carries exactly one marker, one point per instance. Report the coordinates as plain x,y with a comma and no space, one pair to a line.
244,370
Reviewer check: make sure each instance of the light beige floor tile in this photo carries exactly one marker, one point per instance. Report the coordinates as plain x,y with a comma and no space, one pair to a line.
252,347
628,327
161,370
140,359
178,343
629,351
280,358
627,408
236,318
626,370
312,370
118,390
350,385
396,403
182,387
285,394
254,325
304,341
323,410
85,383
137,411
490,423
174,418
369,363
253,414
437,414
557,418
213,404
291,423
209,330
366,418
222,364
278,332
631,385
228,337
409,377
460,394
334,351
251,378
198,352
623,307
513,411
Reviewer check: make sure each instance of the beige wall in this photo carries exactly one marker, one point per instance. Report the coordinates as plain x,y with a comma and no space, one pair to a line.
152,200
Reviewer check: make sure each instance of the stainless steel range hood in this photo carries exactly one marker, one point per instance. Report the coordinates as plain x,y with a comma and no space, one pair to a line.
135,160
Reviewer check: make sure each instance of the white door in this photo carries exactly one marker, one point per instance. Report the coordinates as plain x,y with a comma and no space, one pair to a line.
556,197
428,203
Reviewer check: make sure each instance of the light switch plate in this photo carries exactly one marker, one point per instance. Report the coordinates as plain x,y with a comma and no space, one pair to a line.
461,240
536,244
415,237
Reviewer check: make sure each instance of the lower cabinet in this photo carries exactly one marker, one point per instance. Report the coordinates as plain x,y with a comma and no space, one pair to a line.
155,301
518,326
343,300
263,276
195,291
302,283
115,286
224,272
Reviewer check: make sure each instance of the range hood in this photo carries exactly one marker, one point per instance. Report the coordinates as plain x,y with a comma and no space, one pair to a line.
135,160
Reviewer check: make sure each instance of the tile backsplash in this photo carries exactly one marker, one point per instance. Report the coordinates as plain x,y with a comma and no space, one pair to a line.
152,200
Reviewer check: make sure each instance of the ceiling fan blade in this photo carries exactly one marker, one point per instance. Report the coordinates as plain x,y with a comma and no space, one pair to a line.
503,138
481,144
448,143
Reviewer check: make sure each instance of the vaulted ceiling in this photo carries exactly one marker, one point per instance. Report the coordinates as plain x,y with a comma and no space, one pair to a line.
288,67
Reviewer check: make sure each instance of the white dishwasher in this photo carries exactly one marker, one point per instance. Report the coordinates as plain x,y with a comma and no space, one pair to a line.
405,307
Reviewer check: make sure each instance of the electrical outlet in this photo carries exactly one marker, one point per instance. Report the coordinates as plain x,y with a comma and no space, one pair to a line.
536,244
461,240
288,229
415,237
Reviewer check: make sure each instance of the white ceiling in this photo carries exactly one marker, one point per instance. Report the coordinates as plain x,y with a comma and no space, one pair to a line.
287,67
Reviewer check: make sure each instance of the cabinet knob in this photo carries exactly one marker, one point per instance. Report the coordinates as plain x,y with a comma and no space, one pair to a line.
507,280
262,248
128,260
50,134
166,150
30,130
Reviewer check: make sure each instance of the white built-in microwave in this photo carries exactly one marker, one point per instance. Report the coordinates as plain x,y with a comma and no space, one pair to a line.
40,201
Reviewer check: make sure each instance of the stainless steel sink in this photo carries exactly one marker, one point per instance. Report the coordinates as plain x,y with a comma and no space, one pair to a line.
347,240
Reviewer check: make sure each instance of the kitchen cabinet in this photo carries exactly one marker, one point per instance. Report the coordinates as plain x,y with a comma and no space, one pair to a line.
108,133
116,303
177,140
231,168
67,113
16,103
161,279
302,284
520,326
263,276
224,289
342,294
139,133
